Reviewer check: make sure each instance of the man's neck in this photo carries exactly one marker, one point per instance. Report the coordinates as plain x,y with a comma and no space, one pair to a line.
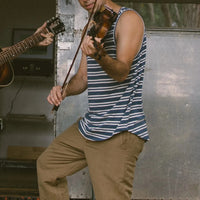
115,7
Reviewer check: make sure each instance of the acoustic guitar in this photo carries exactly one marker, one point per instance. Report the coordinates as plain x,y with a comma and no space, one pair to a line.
54,25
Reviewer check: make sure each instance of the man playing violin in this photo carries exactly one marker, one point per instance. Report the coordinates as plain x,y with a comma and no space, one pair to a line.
111,135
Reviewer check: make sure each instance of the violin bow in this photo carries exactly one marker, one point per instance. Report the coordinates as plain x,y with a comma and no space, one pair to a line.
55,108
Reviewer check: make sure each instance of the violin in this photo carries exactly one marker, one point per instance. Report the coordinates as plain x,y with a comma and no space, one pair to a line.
96,27
101,23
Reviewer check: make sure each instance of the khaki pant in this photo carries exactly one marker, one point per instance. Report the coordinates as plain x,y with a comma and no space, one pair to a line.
111,165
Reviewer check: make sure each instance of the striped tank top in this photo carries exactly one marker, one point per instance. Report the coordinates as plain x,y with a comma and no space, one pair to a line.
114,107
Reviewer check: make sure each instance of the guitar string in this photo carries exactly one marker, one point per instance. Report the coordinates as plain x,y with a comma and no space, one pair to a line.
10,53
21,47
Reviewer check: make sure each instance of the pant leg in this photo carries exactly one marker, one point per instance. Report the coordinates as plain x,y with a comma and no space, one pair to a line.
111,165
63,157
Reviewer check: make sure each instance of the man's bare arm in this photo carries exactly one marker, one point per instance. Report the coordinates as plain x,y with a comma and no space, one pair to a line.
76,85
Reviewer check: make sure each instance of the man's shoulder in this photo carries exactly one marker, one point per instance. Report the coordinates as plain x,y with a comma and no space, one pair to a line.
131,18
131,14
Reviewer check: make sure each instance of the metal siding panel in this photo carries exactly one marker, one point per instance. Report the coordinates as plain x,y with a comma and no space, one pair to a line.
73,107
169,164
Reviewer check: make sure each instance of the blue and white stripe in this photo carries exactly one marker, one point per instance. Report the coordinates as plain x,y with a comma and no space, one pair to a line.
114,107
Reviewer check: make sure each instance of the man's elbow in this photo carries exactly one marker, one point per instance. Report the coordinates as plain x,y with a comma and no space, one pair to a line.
121,77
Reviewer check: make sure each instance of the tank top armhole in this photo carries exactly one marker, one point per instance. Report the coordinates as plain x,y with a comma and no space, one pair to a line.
122,10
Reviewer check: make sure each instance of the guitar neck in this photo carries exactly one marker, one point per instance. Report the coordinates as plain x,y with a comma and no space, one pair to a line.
13,51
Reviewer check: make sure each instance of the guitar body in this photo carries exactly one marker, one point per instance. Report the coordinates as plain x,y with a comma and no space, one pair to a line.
6,74
54,25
